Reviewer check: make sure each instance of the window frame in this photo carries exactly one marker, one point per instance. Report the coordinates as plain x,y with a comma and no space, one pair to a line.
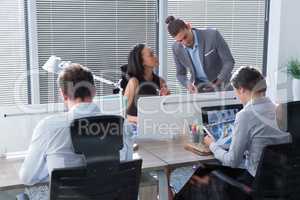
162,45
266,37
32,52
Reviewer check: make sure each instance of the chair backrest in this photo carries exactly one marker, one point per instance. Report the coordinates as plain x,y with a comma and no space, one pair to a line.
293,119
293,180
119,182
98,138
273,172
288,115
123,81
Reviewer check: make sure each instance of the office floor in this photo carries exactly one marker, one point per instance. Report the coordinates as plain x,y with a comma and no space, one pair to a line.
146,192
9,194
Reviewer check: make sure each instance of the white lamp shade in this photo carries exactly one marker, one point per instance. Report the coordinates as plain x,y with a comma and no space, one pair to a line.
53,65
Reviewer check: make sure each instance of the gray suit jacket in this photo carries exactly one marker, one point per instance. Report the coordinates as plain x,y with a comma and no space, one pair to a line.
215,56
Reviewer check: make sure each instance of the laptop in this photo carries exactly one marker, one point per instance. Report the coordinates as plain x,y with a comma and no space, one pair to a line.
218,122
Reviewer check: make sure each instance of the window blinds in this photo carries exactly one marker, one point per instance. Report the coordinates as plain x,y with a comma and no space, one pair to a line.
13,66
95,33
241,22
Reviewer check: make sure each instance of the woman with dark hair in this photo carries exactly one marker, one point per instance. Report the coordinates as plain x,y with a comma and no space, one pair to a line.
143,81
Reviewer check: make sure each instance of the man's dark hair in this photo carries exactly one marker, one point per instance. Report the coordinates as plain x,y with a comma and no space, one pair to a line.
135,66
249,78
175,25
76,81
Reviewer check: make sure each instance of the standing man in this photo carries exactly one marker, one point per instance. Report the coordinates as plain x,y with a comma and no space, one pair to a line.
202,52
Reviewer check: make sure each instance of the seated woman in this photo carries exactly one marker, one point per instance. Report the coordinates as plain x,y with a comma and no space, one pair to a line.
255,127
143,82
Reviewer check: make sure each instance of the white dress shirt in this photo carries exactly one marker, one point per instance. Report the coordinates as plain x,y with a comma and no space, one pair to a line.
255,127
51,146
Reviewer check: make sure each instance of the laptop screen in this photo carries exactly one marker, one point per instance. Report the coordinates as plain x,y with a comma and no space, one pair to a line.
219,121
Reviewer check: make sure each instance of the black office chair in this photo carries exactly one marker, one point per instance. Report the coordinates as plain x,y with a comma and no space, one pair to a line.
277,176
99,139
288,116
123,81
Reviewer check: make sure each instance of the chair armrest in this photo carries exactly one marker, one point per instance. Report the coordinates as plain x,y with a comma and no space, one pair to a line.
232,182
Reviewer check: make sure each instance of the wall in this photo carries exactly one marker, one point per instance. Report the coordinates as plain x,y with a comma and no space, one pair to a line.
284,43
17,126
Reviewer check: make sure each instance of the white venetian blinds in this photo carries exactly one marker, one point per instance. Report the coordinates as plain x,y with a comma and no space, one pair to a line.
96,33
241,22
13,66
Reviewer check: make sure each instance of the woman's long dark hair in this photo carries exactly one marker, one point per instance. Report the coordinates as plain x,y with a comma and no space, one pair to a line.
135,66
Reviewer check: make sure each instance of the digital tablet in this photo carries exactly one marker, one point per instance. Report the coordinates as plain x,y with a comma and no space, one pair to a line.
218,122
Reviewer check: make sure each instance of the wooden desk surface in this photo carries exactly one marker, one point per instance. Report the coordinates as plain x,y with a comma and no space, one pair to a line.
9,169
150,161
9,178
172,151
156,155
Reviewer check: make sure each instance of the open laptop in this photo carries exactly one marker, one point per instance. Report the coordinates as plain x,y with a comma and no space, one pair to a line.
218,122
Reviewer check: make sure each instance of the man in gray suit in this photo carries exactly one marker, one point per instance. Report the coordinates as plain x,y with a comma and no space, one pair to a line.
204,53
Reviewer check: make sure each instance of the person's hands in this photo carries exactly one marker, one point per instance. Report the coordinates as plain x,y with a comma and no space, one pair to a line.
208,88
208,140
164,90
217,83
192,88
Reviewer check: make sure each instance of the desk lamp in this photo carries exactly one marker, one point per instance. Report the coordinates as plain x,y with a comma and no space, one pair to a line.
55,65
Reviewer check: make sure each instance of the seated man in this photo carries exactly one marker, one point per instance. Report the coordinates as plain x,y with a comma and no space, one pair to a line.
255,127
51,146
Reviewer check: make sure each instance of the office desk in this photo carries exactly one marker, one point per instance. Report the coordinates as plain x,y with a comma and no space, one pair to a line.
173,154
9,178
157,156
9,169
